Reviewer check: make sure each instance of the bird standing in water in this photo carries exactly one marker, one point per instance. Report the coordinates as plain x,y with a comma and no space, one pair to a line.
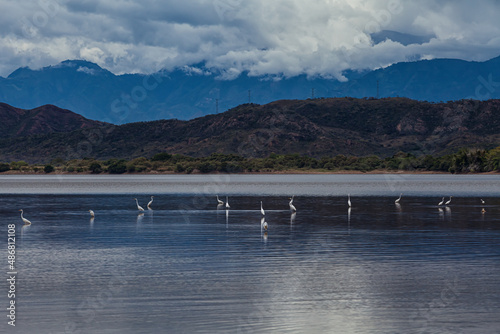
292,207
140,208
26,221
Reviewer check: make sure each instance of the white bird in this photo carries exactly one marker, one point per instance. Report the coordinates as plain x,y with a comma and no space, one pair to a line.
482,202
448,201
397,201
140,208
219,201
442,201
92,214
263,224
349,200
150,202
26,221
262,209
292,207
227,203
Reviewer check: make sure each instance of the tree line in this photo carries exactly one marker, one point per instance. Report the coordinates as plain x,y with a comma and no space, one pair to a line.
466,160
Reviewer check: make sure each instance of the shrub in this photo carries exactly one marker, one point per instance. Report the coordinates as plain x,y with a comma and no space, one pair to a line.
179,168
206,167
48,169
95,168
16,165
117,167
161,157
4,167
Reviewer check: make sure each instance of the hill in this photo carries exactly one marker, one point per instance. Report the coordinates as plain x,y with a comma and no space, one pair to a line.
194,91
15,122
317,127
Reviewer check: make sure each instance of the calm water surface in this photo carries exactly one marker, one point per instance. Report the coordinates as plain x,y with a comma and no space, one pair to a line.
189,267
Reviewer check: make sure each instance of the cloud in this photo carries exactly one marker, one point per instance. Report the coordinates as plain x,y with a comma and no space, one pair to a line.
280,38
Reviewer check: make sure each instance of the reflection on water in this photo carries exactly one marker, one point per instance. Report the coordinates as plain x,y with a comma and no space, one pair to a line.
198,268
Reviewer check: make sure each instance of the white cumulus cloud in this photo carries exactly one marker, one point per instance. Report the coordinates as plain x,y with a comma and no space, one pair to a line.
278,38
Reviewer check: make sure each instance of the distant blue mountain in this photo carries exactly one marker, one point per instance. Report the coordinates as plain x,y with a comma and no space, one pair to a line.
190,92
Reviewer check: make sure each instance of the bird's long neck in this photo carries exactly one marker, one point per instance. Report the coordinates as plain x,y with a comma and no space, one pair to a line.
22,214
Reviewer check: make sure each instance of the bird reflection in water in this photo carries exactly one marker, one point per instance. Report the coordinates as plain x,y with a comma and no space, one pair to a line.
263,229
398,207
349,220
140,216
447,211
227,218
25,229
263,224
441,213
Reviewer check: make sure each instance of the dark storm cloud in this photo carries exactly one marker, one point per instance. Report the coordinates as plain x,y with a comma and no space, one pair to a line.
279,38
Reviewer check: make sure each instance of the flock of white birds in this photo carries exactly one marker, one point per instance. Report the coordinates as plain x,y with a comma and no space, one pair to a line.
264,224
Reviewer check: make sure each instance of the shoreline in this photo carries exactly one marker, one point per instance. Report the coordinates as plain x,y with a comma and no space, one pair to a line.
291,172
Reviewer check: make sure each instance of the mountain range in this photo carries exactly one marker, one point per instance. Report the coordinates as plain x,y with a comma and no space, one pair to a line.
314,127
194,91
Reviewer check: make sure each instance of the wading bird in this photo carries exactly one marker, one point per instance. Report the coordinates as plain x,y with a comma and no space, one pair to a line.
262,209
26,221
219,202
227,203
292,207
140,208
448,201
349,200
482,202
442,201
150,202
397,201
92,214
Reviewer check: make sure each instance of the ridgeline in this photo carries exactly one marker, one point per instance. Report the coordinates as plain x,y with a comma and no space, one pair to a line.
317,129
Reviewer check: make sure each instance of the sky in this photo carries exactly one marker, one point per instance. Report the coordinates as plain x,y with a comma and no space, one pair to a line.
276,38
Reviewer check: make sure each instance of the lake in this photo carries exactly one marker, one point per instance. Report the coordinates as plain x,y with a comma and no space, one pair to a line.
189,266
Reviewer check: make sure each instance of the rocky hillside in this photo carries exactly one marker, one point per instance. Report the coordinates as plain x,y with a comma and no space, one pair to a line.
15,122
319,127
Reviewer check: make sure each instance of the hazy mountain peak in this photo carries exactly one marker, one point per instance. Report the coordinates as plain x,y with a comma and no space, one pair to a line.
82,66
402,38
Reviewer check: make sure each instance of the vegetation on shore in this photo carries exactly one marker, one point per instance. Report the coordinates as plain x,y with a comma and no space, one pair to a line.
463,161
